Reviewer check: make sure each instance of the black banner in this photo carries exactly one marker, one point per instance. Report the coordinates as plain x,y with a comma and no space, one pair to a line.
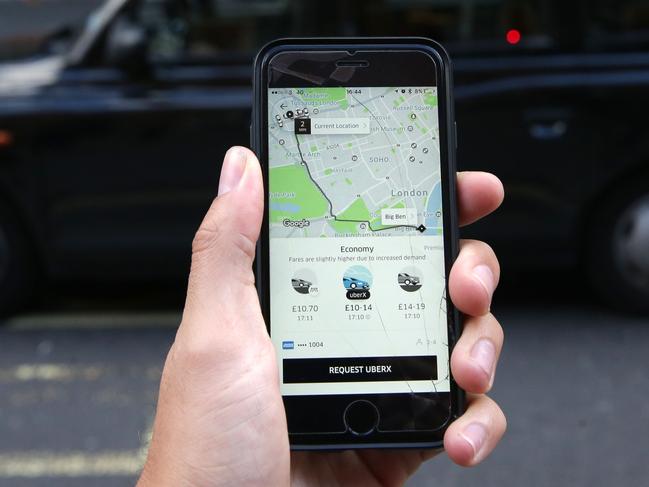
359,369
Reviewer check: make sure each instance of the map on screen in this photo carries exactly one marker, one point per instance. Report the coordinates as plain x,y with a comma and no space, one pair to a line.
354,162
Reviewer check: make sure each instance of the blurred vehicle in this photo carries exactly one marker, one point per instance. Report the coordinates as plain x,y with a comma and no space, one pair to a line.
407,279
300,283
353,283
110,141
301,286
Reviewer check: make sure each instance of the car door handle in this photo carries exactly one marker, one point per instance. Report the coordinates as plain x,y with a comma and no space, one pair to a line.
551,130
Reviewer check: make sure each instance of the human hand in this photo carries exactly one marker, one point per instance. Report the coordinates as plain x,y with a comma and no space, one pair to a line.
220,418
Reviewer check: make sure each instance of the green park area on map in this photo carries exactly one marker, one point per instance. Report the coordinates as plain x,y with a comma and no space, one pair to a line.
333,184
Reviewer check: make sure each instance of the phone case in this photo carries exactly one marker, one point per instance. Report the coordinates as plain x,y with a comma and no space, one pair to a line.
451,244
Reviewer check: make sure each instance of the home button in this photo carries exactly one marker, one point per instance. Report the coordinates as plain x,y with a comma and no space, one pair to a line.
361,417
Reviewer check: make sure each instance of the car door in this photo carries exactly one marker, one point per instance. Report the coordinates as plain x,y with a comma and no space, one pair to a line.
130,160
523,115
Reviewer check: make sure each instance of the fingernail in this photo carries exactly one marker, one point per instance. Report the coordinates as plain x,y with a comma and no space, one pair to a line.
483,353
234,164
486,278
475,435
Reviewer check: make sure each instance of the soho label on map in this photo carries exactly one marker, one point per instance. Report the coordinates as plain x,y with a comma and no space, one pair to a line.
357,276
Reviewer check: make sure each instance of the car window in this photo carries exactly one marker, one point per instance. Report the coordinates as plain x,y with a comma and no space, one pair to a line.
29,29
202,29
471,24
193,30
617,23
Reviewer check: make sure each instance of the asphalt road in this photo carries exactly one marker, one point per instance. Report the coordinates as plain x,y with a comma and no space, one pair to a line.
78,390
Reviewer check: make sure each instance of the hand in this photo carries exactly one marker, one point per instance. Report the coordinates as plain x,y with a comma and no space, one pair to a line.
220,418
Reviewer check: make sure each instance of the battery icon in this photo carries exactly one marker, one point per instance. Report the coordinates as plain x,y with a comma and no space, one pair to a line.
288,345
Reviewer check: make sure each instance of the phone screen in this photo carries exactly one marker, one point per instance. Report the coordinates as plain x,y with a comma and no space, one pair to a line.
355,220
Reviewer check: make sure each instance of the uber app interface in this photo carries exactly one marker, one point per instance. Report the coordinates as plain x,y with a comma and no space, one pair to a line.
357,277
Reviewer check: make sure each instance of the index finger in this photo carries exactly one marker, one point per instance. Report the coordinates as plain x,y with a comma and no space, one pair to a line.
478,194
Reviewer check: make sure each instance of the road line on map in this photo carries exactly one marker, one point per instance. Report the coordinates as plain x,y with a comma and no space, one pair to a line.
369,224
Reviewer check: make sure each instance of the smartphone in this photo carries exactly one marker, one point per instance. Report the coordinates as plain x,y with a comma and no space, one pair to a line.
357,142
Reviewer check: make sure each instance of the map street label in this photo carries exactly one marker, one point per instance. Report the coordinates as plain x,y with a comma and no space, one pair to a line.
340,126
399,216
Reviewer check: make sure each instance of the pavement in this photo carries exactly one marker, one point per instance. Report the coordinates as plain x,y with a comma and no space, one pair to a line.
78,392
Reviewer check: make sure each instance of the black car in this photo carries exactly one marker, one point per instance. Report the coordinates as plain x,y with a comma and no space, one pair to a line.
111,136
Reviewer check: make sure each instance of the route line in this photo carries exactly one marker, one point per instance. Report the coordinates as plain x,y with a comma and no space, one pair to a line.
331,207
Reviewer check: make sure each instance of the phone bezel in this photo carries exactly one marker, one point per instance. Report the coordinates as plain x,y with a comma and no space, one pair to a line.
400,77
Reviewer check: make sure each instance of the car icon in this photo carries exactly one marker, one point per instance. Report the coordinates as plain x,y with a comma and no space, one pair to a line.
302,286
353,283
300,283
407,279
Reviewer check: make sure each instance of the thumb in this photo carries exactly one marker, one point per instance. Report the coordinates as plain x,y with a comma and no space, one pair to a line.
221,296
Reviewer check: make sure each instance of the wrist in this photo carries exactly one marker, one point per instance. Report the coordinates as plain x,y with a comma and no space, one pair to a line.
146,478
150,477
157,473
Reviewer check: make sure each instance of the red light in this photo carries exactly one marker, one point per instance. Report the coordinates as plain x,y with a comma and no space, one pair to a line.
6,138
513,36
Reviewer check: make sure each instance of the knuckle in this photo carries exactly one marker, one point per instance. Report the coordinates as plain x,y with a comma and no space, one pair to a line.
216,230
499,418
481,251
210,232
197,354
496,329
469,251
494,409
246,245
206,238
477,247
503,421
484,249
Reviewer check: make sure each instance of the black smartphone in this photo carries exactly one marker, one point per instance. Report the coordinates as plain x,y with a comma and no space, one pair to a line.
357,141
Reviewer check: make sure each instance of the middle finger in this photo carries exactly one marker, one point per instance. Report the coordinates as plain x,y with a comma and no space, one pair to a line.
474,358
474,277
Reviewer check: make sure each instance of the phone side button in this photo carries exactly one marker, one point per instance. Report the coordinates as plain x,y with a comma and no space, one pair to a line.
456,141
361,417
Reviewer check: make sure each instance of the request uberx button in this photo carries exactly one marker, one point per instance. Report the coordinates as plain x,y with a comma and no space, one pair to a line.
361,369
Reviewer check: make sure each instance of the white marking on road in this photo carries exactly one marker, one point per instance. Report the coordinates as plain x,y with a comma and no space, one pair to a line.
48,372
76,463
145,440
35,464
71,464
63,372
